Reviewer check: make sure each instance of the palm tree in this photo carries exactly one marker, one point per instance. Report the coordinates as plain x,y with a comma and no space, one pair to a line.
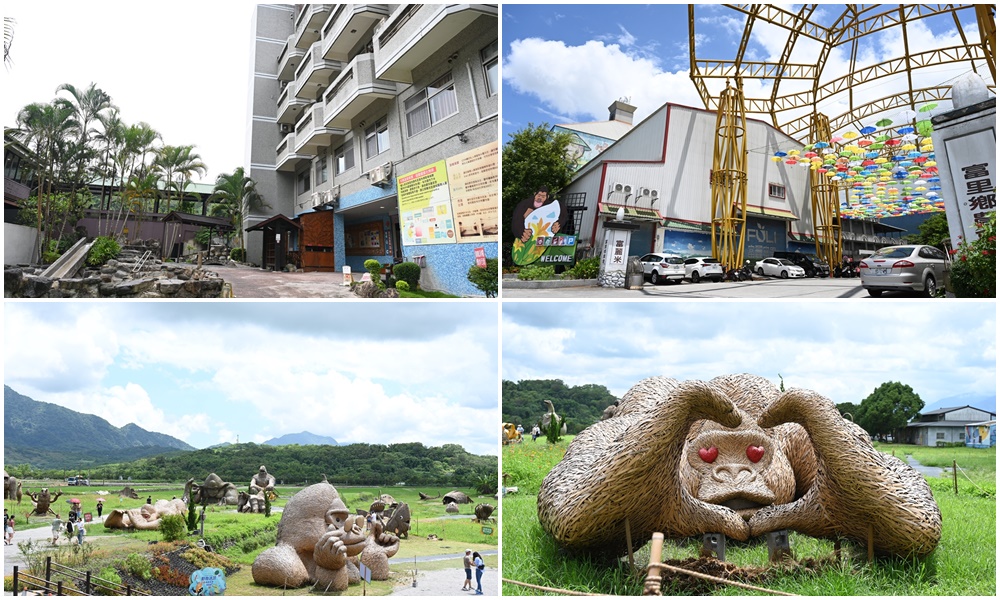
180,163
237,197
47,126
88,105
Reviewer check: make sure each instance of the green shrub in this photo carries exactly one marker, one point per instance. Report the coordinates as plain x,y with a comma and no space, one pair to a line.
402,286
192,515
103,250
374,268
974,266
173,528
138,566
485,279
8,584
408,272
202,559
537,273
554,432
584,269
110,577
238,254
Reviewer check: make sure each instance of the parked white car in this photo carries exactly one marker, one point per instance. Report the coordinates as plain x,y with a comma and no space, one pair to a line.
779,267
703,267
662,267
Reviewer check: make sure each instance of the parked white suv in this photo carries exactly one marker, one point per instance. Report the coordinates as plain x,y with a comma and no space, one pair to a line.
703,267
662,267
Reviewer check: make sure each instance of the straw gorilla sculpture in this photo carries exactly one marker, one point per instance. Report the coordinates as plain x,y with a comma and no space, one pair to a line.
734,456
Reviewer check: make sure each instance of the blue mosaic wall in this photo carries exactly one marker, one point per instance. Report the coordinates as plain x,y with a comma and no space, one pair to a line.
447,266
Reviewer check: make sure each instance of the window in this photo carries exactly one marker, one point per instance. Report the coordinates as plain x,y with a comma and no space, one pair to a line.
322,174
345,157
961,436
377,138
431,105
775,191
303,182
490,68
940,435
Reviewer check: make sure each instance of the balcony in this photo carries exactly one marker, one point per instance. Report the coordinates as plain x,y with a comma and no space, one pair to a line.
311,134
315,73
412,34
308,23
348,25
289,60
287,160
290,106
355,90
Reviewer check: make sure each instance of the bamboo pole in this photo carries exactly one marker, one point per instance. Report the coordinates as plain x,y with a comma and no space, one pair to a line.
653,579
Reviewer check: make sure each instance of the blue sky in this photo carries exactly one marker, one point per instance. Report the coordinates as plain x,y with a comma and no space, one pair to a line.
567,63
206,373
841,350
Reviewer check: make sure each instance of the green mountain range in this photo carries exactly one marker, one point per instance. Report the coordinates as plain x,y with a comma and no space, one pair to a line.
49,436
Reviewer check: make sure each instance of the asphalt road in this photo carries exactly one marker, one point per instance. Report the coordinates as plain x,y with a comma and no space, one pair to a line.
758,288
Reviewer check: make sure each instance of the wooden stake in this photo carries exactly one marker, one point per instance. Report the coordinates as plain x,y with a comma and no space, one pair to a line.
954,475
652,587
871,544
628,540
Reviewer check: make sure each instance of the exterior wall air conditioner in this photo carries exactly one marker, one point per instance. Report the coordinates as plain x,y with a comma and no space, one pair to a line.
285,128
380,175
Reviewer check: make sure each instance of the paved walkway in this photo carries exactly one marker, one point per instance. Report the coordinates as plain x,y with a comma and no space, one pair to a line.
447,582
924,470
252,282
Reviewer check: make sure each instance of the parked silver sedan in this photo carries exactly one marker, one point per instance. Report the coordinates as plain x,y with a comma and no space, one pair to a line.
913,268
662,267
779,267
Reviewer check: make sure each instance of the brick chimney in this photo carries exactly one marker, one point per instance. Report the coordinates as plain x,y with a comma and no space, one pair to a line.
621,111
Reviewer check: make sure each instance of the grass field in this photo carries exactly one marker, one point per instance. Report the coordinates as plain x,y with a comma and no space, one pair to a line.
963,564
241,537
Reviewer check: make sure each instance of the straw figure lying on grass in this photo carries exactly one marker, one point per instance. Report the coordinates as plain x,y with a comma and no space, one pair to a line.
735,456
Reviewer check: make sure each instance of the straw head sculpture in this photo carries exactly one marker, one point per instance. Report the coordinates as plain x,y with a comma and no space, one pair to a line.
736,456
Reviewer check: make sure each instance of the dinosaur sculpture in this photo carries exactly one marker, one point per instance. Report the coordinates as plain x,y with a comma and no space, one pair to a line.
318,541
399,522
214,490
42,502
734,456
549,416
146,518
484,512
424,496
128,492
457,497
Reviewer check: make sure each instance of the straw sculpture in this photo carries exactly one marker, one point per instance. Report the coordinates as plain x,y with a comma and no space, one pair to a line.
733,456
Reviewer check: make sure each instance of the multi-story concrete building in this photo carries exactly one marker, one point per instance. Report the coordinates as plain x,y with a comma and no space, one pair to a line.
372,133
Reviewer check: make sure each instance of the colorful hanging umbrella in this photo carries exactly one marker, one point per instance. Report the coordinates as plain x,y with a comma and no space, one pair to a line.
867,130
884,123
779,153
907,115
905,130
928,107
821,145
850,135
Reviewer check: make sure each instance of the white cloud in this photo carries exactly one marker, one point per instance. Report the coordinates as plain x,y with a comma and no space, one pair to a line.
581,81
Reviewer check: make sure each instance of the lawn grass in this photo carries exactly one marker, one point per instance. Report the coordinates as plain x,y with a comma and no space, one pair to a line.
247,535
963,564
425,294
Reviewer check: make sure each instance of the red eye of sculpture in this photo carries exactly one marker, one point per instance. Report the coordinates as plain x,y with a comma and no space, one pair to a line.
755,453
708,454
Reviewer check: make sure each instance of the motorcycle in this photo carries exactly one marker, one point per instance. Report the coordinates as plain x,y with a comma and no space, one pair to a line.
746,273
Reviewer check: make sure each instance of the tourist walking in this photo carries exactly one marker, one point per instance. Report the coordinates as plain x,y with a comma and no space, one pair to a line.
477,560
467,563
100,507
57,525
8,537
80,532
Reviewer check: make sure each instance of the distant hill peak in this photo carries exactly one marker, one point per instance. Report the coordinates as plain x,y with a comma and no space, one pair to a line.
303,438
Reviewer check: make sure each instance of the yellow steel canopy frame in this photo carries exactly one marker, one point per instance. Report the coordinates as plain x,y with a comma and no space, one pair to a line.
825,204
729,179
795,112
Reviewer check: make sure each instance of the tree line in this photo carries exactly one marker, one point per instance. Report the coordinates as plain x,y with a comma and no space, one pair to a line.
355,464
580,406
79,140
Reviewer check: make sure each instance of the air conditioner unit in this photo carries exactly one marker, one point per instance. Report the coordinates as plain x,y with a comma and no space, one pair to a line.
627,189
654,193
618,187
314,199
285,128
643,191
380,174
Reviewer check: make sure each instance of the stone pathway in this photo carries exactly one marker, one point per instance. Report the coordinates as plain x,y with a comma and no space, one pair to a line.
447,582
925,470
